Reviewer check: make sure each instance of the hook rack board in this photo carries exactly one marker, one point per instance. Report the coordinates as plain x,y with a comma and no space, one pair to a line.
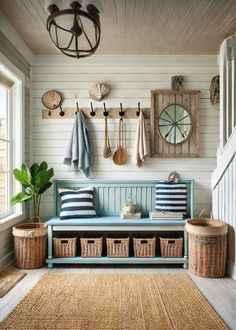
130,113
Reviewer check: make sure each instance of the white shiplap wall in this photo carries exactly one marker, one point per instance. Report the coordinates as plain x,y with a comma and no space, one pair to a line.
131,79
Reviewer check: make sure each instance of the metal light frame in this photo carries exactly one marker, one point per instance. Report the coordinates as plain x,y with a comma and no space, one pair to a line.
76,30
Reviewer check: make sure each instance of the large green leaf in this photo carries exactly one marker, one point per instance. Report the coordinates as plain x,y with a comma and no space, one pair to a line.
43,177
22,175
20,198
43,166
45,187
34,171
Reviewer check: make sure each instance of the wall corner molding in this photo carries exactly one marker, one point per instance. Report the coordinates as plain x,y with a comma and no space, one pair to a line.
12,35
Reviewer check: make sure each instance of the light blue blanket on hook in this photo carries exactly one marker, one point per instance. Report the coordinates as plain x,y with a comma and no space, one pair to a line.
78,153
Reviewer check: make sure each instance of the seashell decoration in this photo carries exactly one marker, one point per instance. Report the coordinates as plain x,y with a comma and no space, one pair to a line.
99,91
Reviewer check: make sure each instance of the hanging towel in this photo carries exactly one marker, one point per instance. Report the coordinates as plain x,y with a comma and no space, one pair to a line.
141,147
78,153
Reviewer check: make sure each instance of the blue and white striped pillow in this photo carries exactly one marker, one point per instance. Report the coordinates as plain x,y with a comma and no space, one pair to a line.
171,197
77,204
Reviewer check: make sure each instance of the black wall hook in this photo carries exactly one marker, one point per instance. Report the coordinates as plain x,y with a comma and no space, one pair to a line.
77,108
138,112
92,113
121,113
105,113
62,113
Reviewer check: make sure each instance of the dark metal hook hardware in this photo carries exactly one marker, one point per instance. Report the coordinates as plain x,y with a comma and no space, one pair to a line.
92,113
105,113
138,112
77,108
121,113
62,113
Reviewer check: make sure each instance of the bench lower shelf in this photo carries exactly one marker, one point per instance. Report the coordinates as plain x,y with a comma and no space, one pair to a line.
106,260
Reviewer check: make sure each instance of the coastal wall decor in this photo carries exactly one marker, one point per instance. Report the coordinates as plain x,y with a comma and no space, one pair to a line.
215,90
175,124
177,83
99,91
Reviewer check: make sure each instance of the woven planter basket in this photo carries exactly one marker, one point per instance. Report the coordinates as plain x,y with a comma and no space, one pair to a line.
30,245
207,246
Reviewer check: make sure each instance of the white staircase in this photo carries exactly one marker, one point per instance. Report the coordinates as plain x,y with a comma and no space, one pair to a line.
224,176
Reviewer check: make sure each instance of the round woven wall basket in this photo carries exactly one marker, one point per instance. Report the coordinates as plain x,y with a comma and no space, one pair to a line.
30,242
207,246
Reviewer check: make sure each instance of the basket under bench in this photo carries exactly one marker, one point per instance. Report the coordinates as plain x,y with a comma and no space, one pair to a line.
108,224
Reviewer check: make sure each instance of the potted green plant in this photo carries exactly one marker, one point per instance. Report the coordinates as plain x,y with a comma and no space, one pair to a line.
30,238
35,181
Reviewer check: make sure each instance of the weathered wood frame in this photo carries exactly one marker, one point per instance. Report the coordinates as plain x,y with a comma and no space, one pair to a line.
190,100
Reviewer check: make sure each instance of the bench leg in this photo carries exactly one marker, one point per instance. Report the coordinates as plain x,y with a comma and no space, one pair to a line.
185,249
50,265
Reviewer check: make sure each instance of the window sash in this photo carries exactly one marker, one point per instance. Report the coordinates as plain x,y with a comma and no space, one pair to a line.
9,154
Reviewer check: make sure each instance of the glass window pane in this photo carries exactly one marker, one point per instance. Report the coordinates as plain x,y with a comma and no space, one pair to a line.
3,112
4,153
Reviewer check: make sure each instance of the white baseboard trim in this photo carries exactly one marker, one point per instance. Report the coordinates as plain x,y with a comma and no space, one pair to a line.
231,269
6,260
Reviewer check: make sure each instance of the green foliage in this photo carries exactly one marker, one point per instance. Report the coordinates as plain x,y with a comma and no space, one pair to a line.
35,181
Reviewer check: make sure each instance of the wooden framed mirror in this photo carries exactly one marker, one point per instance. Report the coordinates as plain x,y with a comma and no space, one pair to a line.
175,123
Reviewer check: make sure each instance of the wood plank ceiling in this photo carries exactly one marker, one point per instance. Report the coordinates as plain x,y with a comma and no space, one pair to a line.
137,26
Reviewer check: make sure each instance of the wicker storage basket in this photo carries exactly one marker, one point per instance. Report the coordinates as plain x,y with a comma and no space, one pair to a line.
171,247
207,246
91,247
144,247
65,246
117,247
30,245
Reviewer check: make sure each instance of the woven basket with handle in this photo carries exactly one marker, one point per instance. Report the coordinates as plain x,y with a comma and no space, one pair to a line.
207,245
30,245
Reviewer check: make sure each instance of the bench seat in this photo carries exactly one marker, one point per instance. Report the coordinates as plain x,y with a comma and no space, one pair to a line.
114,221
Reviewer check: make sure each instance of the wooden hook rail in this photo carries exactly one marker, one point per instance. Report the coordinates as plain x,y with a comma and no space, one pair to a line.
113,113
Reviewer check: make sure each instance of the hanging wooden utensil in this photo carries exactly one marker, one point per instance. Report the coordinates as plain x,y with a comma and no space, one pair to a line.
123,144
107,147
120,156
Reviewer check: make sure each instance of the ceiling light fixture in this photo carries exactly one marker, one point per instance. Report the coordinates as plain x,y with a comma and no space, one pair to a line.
75,32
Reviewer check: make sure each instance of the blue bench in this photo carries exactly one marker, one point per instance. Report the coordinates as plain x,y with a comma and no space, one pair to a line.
109,197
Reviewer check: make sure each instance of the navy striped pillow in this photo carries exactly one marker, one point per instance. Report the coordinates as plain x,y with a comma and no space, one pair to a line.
171,197
77,204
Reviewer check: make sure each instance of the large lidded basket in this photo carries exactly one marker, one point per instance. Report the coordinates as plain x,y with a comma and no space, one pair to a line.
30,245
207,246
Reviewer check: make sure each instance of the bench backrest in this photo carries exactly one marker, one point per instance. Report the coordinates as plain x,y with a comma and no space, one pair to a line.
110,196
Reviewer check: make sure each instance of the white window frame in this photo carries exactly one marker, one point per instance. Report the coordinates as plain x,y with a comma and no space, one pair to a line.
8,141
16,135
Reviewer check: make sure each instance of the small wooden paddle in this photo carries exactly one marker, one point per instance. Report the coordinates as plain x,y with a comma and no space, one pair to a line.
120,156
107,147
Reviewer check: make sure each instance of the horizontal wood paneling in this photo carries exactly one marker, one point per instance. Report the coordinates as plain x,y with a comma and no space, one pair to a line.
131,79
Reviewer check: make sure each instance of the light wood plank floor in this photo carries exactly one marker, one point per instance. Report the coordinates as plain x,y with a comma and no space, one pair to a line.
221,293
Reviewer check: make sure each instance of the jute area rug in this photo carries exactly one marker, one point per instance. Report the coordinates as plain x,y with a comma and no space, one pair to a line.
8,280
118,302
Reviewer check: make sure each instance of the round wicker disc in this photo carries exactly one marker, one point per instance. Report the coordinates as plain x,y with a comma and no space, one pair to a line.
51,99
